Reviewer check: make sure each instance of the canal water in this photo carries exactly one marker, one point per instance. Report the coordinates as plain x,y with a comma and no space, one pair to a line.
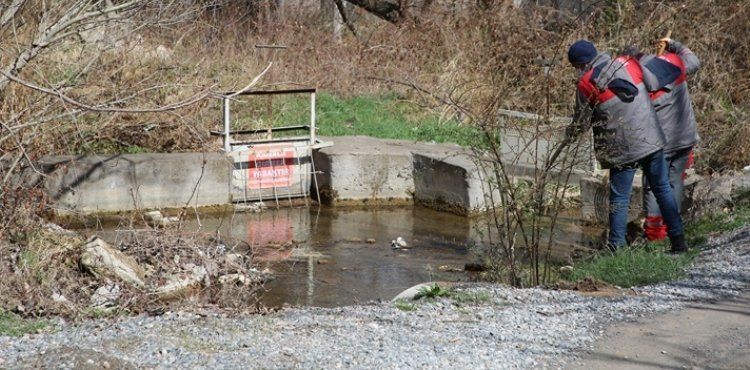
330,257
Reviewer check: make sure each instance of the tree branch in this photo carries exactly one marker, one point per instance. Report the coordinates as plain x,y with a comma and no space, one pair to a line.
169,107
10,12
344,17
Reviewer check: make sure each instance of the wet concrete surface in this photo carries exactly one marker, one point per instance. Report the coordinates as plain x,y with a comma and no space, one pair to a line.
328,257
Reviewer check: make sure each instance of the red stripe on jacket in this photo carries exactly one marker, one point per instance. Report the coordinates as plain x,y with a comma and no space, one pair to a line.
676,61
595,95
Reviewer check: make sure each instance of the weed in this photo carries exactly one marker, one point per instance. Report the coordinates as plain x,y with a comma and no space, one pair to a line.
472,298
15,326
405,306
647,263
697,231
633,266
432,291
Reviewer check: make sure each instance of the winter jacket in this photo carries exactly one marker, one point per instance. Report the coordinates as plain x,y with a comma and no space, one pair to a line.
665,78
612,99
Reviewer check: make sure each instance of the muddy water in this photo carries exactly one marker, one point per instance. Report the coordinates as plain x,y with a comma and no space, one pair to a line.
330,257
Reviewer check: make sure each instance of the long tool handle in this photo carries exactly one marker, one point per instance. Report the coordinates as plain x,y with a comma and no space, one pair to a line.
663,44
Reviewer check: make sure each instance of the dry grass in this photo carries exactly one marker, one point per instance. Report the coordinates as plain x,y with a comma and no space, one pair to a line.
41,266
479,58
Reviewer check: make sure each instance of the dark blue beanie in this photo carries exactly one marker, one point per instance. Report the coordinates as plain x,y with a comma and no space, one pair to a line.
581,52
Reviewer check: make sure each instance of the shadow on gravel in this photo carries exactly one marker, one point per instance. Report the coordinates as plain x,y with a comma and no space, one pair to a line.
73,358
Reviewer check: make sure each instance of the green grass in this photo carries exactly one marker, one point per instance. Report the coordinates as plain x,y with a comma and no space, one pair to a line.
697,231
648,264
383,116
405,306
634,266
15,326
432,291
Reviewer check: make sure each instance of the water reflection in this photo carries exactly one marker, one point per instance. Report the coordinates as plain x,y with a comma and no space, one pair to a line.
332,257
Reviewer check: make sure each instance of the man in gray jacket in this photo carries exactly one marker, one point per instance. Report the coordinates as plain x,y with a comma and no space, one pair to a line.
665,77
612,99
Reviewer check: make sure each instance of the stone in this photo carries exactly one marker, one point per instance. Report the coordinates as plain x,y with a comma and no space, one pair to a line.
712,194
233,259
178,285
411,293
566,270
106,296
448,268
370,241
101,259
237,279
59,298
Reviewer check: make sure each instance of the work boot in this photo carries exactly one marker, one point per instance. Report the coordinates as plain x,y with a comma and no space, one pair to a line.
678,244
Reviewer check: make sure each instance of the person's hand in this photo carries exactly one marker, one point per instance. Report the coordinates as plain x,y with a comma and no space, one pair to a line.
665,43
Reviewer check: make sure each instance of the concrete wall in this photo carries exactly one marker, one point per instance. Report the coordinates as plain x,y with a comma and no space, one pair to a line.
361,168
90,184
455,184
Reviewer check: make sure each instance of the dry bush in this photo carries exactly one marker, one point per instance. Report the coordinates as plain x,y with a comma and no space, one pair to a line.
45,265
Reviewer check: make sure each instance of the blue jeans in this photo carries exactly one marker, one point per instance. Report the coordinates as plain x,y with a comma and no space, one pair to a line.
677,163
655,169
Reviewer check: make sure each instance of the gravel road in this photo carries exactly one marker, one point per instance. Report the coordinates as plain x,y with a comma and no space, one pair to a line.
500,328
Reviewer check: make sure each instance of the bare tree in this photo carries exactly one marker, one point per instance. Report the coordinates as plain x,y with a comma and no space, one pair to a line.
62,63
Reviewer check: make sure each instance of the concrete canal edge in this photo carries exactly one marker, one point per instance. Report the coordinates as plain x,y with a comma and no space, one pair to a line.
356,170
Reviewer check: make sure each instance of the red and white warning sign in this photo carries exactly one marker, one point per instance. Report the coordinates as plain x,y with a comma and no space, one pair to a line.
270,165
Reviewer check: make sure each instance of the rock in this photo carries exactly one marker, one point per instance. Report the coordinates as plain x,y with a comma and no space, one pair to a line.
101,259
153,216
106,296
59,298
399,243
255,207
370,240
411,293
156,219
712,194
566,270
475,267
238,279
233,259
253,277
163,53
57,229
178,285
448,268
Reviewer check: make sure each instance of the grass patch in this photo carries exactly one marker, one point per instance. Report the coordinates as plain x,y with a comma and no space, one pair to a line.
634,266
469,298
405,306
648,264
432,291
697,232
381,116
15,326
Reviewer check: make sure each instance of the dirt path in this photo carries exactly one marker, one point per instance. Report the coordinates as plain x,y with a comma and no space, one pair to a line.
702,336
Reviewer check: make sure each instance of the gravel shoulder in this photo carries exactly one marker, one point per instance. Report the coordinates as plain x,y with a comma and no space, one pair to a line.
498,327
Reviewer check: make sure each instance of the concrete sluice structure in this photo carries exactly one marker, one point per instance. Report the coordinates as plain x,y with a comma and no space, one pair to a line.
356,170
